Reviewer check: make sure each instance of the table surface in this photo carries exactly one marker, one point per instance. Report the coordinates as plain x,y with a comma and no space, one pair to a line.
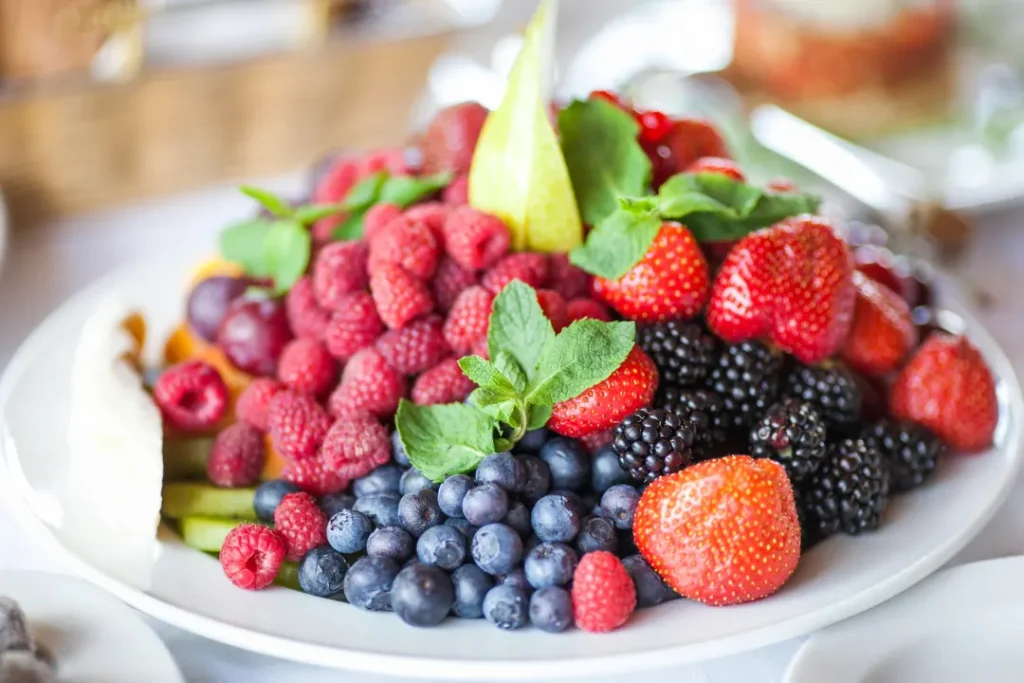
44,267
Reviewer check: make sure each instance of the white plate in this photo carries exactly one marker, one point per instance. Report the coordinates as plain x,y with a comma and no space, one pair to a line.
838,579
963,624
92,636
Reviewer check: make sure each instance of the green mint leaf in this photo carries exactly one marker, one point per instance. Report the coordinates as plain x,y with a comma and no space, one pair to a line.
311,213
518,326
539,416
270,201
617,243
582,355
487,376
605,161
508,366
351,228
286,249
444,439
364,193
405,191
242,243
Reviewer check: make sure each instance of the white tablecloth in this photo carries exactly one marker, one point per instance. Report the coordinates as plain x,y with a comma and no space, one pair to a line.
45,267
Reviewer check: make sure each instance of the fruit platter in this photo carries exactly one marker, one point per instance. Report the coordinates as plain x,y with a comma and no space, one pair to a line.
557,392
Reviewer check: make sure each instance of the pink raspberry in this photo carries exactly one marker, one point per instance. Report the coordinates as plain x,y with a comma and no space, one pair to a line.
565,278
237,456
457,192
377,218
356,325
480,348
587,308
445,383
369,386
394,160
553,305
450,139
355,446
475,240
251,556
433,215
331,188
603,594
307,367
406,243
297,424
415,347
191,396
399,296
339,269
306,317
449,280
301,523
313,476
469,319
525,266
253,405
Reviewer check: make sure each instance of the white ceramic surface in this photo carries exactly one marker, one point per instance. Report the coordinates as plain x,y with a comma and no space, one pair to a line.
838,579
92,635
963,624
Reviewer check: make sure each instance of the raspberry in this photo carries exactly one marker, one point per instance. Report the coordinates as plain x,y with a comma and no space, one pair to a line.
314,476
340,268
191,396
416,347
554,308
406,243
434,215
445,383
577,309
480,348
368,385
725,167
331,188
251,556
603,595
469,319
356,325
237,456
253,405
306,317
450,139
355,446
306,366
377,218
399,296
301,523
457,192
476,240
527,267
595,441
565,278
449,280
297,424
394,160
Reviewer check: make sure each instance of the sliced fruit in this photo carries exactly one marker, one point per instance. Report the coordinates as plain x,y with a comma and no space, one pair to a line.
273,466
182,499
185,457
288,576
206,533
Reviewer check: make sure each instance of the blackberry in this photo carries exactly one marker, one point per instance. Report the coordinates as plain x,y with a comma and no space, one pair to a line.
831,388
682,351
653,442
792,434
706,411
850,490
746,376
909,450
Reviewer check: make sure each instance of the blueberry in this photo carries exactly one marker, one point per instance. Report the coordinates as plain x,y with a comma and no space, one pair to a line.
551,609
392,542
518,517
597,533
507,607
443,546
598,511
452,491
419,511
502,469
550,564
269,495
368,582
620,501
575,500
348,530
555,518
422,595
497,549
606,471
485,504
463,525
533,440
569,463
517,578
383,479
333,503
471,585
538,477
413,482
398,450
382,508
650,589
322,572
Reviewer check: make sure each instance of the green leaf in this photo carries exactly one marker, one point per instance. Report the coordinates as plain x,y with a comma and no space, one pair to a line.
286,253
605,161
311,213
487,376
351,228
270,201
444,439
617,243
518,325
508,366
364,193
539,416
242,243
582,355
405,191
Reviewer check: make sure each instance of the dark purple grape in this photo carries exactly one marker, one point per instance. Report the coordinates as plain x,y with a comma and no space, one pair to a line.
209,301
253,333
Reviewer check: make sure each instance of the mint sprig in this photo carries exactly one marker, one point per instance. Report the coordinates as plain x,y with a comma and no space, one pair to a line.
382,188
444,439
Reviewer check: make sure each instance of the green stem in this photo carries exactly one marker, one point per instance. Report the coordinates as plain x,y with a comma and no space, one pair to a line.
520,431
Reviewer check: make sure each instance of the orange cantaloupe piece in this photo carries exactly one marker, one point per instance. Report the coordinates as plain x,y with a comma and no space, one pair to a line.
273,465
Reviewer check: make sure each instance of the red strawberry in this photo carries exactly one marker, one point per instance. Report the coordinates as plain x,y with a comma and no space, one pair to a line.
686,141
671,281
948,388
792,282
603,405
721,532
883,331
